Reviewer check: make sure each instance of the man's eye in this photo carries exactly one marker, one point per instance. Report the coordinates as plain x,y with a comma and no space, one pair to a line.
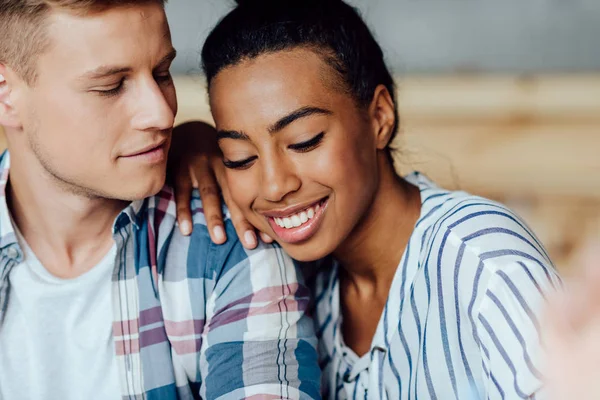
163,77
242,164
113,91
308,145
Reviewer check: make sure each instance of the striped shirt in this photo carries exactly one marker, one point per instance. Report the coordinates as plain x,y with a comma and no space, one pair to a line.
192,319
463,313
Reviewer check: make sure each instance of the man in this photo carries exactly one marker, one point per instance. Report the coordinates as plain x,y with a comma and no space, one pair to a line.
101,297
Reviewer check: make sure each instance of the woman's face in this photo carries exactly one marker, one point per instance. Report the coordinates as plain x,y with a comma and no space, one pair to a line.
301,157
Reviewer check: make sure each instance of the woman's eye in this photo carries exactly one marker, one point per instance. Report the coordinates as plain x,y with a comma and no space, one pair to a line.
308,145
241,165
113,91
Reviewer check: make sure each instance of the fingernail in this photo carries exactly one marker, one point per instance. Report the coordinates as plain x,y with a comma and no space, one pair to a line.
186,227
250,238
219,233
266,238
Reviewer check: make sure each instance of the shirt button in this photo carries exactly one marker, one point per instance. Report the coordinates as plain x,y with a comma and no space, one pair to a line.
12,252
346,377
379,348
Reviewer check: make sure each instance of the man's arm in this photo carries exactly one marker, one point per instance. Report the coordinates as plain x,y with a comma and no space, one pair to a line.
257,339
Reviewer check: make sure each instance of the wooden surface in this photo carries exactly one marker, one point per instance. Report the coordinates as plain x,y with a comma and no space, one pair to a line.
531,142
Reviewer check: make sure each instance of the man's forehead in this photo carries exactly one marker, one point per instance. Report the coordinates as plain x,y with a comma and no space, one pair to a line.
121,36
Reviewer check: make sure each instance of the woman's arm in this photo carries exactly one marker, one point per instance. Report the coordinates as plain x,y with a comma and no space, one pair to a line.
195,160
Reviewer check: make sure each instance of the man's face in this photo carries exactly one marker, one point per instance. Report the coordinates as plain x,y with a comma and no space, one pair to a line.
100,114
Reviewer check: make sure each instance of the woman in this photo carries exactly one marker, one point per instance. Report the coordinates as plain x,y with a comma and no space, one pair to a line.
419,292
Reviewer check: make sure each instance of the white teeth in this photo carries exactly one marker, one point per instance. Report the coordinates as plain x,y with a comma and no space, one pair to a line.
303,217
296,221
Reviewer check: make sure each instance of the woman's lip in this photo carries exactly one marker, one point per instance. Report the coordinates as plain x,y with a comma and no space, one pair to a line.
286,212
302,232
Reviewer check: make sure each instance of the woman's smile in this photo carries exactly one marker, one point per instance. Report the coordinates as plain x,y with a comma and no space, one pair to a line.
299,223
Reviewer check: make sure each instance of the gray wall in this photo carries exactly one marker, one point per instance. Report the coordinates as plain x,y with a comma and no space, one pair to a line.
444,35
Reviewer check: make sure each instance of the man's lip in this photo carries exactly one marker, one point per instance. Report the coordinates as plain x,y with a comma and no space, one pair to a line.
146,149
286,212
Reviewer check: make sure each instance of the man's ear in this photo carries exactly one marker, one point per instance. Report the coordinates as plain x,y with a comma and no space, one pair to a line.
8,115
383,114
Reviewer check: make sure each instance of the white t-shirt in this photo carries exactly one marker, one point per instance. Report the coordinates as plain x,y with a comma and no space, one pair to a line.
56,341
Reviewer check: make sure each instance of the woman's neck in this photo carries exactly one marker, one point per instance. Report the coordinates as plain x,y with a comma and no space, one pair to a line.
371,253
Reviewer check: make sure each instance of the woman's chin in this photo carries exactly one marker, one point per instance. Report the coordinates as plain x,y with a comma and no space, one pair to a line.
306,252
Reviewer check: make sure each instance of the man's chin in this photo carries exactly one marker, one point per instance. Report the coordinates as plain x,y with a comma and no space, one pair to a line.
135,191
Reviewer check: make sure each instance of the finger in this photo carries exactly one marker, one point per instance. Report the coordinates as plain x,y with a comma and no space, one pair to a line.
183,193
244,230
211,201
266,238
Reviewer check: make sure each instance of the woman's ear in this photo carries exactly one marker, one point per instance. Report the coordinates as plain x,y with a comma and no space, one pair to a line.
383,114
8,115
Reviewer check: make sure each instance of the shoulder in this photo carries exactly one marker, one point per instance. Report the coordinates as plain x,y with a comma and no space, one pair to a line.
192,256
477,243
162,206
486,229
483,227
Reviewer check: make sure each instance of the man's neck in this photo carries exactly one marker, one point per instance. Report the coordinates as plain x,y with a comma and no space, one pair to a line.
68,232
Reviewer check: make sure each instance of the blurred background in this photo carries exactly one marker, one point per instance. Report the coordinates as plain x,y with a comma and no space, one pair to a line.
499,98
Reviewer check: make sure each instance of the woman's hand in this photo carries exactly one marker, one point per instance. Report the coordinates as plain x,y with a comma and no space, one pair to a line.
195,161
571,335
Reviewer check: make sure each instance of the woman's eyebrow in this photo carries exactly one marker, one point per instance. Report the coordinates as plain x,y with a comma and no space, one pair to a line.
302,112
232,135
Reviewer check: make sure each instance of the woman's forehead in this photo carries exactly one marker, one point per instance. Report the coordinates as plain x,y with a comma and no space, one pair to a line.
291,75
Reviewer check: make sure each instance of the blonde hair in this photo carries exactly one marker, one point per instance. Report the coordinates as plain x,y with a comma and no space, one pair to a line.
23,28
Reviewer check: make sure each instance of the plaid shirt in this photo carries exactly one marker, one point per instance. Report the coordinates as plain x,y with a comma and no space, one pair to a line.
193,319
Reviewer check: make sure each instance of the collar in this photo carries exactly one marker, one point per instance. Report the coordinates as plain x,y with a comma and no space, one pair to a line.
9,245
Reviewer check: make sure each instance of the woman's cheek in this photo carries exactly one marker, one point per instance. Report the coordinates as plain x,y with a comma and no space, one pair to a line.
338,162
242,188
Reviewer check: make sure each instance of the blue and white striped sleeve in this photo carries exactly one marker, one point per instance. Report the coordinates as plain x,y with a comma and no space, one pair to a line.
508,325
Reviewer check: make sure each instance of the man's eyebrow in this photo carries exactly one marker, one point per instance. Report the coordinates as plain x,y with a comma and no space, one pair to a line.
302,112
167,59
232,135
106,71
